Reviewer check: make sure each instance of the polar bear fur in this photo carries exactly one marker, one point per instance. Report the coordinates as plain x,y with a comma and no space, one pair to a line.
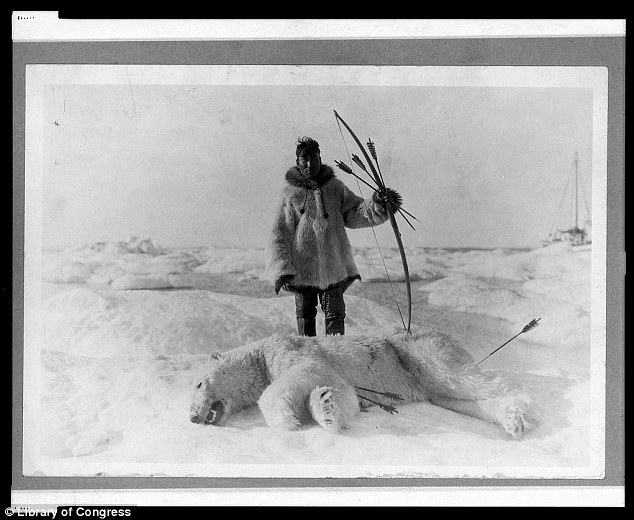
298,379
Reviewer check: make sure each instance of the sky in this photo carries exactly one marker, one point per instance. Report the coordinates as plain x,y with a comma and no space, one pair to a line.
194,163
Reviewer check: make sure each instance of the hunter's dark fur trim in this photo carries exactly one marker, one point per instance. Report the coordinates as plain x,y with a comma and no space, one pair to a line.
344,284
295,178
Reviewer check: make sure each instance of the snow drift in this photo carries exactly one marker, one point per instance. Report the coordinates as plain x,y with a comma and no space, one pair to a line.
127,327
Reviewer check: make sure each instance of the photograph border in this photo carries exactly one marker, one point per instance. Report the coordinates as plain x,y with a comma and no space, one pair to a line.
608,52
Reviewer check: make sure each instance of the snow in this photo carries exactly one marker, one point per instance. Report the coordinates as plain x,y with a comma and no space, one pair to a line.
551,282
127,328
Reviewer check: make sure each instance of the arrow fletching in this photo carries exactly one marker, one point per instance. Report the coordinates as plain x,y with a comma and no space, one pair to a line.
343,166
531,325
372,149
359,162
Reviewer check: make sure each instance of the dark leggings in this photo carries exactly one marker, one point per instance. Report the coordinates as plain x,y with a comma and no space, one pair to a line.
332,304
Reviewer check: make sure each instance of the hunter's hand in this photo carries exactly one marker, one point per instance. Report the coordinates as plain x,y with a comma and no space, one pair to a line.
391,197
282,282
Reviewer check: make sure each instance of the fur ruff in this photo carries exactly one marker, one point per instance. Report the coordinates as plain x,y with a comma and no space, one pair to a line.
295,178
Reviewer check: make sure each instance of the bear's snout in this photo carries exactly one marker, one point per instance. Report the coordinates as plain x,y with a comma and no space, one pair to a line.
196,415
215,414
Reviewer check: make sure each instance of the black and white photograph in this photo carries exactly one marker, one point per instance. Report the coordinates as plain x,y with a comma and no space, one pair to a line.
305,269
302,271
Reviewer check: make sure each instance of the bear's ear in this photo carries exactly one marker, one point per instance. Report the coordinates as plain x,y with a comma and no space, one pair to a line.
214,356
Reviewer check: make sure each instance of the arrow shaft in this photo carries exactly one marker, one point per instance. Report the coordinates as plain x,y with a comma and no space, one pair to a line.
502,345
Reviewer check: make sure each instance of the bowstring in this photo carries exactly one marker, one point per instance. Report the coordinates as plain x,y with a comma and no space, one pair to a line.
387,274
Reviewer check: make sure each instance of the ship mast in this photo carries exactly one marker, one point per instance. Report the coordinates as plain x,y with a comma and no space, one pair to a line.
576,190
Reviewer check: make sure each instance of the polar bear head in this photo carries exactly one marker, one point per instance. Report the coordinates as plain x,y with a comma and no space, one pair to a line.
232,383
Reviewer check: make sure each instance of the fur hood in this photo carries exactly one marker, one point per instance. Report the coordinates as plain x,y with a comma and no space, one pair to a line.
295,178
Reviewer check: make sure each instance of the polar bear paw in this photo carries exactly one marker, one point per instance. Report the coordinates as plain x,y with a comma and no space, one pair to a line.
325,409
516,422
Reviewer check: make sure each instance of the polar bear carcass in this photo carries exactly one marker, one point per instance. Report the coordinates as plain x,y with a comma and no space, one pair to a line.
298,379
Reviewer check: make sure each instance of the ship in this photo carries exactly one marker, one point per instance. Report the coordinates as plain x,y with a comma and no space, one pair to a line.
574,233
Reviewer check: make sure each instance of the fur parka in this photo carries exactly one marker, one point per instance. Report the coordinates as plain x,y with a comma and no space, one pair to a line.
308,239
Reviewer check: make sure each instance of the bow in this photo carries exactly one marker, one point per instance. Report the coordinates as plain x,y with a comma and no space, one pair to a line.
380,186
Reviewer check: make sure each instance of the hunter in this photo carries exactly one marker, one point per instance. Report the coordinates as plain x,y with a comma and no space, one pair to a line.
308,252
